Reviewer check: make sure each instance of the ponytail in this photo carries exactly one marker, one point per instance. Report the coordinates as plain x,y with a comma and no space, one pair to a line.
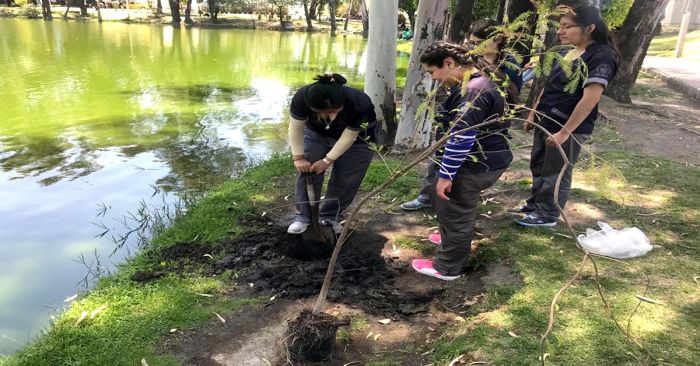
590,15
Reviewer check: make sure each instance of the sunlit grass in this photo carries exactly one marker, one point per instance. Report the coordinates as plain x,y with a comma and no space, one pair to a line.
665,45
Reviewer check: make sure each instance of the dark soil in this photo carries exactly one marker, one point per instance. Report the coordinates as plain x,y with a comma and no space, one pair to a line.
363,277
310,337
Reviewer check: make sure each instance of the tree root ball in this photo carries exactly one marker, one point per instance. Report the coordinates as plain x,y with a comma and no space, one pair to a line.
310,337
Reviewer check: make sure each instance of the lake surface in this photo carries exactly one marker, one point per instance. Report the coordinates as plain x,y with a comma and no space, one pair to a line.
97,120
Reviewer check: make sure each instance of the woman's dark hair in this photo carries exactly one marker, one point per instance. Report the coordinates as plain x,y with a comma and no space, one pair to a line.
438,52
483,28
326,92
586,15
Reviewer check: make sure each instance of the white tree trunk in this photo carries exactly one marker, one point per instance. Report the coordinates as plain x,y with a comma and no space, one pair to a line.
380,75
415,125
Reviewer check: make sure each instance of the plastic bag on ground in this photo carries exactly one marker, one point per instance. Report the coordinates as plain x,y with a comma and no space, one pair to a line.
625,243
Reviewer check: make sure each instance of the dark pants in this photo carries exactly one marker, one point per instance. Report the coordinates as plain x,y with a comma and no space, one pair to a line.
457,217
346,176
546,163
428,180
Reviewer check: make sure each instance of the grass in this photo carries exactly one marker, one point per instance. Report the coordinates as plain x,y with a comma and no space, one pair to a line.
665,45
656,195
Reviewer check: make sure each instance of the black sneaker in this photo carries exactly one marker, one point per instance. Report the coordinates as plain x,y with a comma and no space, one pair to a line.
524,209
534,220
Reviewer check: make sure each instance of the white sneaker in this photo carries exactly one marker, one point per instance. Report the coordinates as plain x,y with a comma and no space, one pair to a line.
337,227
298,227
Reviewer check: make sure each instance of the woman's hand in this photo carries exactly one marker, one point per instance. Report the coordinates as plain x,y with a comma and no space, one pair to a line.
443,186
302,165
558,138
320,166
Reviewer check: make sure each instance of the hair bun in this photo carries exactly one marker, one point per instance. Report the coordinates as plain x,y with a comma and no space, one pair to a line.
336,79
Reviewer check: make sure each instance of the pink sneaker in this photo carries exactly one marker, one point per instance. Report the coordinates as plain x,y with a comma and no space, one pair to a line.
435,238
425,266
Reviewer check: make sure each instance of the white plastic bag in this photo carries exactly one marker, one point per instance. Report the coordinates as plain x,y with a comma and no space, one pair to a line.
625,243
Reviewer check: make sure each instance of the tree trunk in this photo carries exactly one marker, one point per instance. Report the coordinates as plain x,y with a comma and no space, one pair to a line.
46,9
83,8
412,20
550,40
312,9
97,8
380,80
347,15
188,12
414,127
65,15
365,19
159,8
309,25
501,11
633,40
461,20
332,5
175,11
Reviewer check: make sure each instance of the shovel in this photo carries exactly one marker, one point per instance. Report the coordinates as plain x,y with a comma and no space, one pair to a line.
318,233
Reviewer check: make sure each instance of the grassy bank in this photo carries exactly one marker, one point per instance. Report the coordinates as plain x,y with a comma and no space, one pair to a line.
122,319
504,328
665,45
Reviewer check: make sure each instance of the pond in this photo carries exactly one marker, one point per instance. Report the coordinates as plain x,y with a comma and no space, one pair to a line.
100,120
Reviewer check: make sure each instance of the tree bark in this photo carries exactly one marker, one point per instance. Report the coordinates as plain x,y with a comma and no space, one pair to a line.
309,25
500,13
159,8
380,80
188,12
414,127
332,5
461,20
312,9
365,19
633,40
46,10
175,11
550,40
97,8
347,16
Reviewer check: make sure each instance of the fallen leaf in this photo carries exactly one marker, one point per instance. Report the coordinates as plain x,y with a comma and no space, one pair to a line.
286,198
564,235
696,278
428,352
82,317
385,321
204,295
431,329
143,362
376,336
173,330
394,200
71,298
263,214
456,360
543,357
369,335
460,319
208,256
221,318
251,284
98,310
513,335
649,300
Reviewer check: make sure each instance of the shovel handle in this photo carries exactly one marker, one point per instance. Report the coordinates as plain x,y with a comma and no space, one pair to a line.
310,190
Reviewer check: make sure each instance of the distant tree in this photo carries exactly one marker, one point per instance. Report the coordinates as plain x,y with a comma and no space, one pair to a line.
46,9
633,39
307,15
380,80
281,7
410,6
188,12
175,12
332,7
365,19
461,20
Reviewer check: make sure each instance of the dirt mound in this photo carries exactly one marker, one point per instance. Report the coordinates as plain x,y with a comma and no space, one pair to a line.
363,278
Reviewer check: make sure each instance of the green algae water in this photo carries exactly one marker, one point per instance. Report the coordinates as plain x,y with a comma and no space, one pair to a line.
96,118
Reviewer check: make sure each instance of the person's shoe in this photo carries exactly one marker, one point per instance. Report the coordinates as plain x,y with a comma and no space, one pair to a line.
524,209
535,220
298,227
425,266
337,227
416,204
435,238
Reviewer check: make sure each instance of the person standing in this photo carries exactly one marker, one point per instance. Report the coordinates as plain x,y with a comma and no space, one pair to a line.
568,116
